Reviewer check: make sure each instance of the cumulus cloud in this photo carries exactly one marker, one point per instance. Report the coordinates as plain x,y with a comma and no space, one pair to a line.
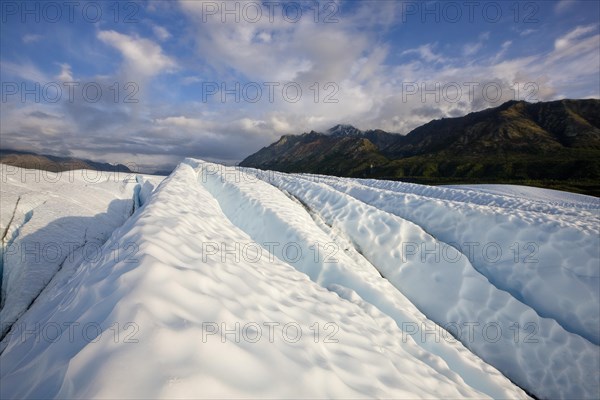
370,93
276,49
142,56
65,75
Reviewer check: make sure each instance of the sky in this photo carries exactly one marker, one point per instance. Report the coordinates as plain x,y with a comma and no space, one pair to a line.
148,83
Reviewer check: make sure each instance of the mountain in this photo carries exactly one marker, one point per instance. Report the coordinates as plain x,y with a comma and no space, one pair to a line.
344,130
312,152
552,144
29,160
514,127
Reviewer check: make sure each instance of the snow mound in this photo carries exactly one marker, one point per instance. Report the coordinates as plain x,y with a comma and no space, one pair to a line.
445,286
52,221
199,323
275,220
228,282
548,260
528,193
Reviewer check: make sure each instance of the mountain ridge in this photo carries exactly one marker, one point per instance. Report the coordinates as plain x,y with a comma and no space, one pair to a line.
514,142
46,162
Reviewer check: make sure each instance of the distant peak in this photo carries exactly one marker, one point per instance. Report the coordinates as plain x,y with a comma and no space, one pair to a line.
511,103
344,130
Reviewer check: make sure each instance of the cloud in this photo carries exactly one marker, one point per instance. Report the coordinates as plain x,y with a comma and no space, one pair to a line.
188,80
567,40
265,37
363,62
329,61
471,48
277,49
574,63
370,90
143,57
41,115
563,5
161,33
31,38
426,53
181,121
527,32
503,49
66,75
26,70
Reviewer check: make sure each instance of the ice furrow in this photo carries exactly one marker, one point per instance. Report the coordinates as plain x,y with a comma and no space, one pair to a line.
12,217
173,290
66,216
268,215
455,294
587,207
585,219
12,230
345,243
563,257
226,260
443,249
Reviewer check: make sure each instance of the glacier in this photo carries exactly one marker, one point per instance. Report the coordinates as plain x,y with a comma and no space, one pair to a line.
238,282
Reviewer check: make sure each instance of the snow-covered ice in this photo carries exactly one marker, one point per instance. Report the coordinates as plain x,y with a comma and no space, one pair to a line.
53,220
269,216
443,284
532,254
530,194
246,283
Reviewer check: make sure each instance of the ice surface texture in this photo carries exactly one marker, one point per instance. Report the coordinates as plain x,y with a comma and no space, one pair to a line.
209,304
